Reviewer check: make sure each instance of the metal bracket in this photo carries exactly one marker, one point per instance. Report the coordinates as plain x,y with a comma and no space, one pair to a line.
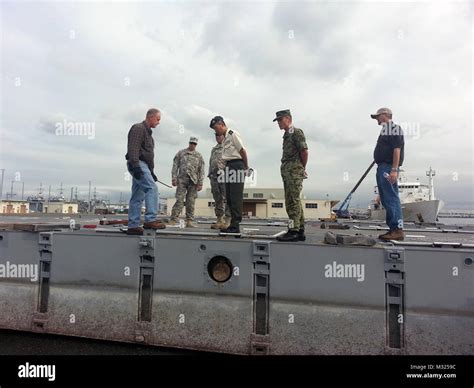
145,291
394,259
259,344
46,238
39,322
142,332
261,251
394,267
45,262
261,296
147,245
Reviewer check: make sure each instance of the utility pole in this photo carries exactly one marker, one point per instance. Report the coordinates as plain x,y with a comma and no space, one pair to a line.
22,190
89,202
1,186
95,199
61,189
11,194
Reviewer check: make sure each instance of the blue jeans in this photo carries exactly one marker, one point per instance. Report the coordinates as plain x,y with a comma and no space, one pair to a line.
143,189
389,197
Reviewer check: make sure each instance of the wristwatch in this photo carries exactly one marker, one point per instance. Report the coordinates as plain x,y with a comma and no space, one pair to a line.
395,169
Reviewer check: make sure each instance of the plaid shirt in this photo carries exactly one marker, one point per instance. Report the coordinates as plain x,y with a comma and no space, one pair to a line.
140,145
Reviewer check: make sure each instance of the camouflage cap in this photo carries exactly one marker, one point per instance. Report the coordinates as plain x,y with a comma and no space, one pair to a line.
282,113
381,111
193,139
216,120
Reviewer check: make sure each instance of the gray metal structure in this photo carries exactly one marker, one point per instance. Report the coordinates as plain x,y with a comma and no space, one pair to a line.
280,298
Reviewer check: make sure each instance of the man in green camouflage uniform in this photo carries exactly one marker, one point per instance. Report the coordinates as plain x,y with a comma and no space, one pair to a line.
216,167
187,176
293,171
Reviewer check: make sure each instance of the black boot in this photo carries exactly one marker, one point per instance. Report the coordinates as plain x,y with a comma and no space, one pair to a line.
290,236
231,229
301,236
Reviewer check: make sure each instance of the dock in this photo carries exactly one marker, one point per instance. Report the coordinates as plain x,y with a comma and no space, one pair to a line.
193,289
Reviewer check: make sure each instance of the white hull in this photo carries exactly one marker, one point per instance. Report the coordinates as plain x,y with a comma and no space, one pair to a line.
421,211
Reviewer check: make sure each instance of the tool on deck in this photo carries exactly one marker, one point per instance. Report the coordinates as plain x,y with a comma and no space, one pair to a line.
164,184
343,211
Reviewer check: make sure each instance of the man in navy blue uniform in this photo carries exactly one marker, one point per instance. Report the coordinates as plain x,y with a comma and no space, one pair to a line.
389,154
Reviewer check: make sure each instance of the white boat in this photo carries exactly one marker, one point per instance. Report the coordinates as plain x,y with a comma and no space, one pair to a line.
418,200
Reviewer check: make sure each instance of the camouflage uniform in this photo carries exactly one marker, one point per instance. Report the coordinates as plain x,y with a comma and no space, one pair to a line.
216,164
188,170
292,173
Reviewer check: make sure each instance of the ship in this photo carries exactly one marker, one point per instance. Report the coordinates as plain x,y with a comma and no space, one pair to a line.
418,200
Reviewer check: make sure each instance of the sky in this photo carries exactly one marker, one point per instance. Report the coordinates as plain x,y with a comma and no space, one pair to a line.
75,76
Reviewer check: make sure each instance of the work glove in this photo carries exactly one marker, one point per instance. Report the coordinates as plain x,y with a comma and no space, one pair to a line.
137,173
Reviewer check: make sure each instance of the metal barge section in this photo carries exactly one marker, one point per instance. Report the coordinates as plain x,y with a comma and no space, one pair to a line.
250,295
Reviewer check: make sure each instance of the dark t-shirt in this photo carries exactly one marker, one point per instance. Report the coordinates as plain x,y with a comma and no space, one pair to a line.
391,136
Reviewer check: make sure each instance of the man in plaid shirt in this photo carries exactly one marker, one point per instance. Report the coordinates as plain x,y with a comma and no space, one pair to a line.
140,163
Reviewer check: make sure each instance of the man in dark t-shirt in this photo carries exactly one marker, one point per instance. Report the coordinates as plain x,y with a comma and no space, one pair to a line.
389,154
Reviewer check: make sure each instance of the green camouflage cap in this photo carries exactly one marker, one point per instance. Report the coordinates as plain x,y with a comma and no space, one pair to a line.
282,113
193,139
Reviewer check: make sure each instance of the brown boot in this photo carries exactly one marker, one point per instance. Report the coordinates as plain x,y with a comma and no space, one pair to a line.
138,231
154,225
226,222
190,224
383,234
396,234
220,223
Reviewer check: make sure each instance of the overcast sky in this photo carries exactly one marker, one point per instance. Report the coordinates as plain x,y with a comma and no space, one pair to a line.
103,64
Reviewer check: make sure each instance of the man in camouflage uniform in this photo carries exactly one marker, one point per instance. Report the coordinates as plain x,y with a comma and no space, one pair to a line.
293,171
187,176
216,167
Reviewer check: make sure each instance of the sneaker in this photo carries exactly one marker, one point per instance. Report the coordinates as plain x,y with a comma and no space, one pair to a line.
301,235
290,236
154,225
138,231
396,234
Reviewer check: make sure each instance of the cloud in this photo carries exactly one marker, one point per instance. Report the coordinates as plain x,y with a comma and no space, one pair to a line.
332,64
